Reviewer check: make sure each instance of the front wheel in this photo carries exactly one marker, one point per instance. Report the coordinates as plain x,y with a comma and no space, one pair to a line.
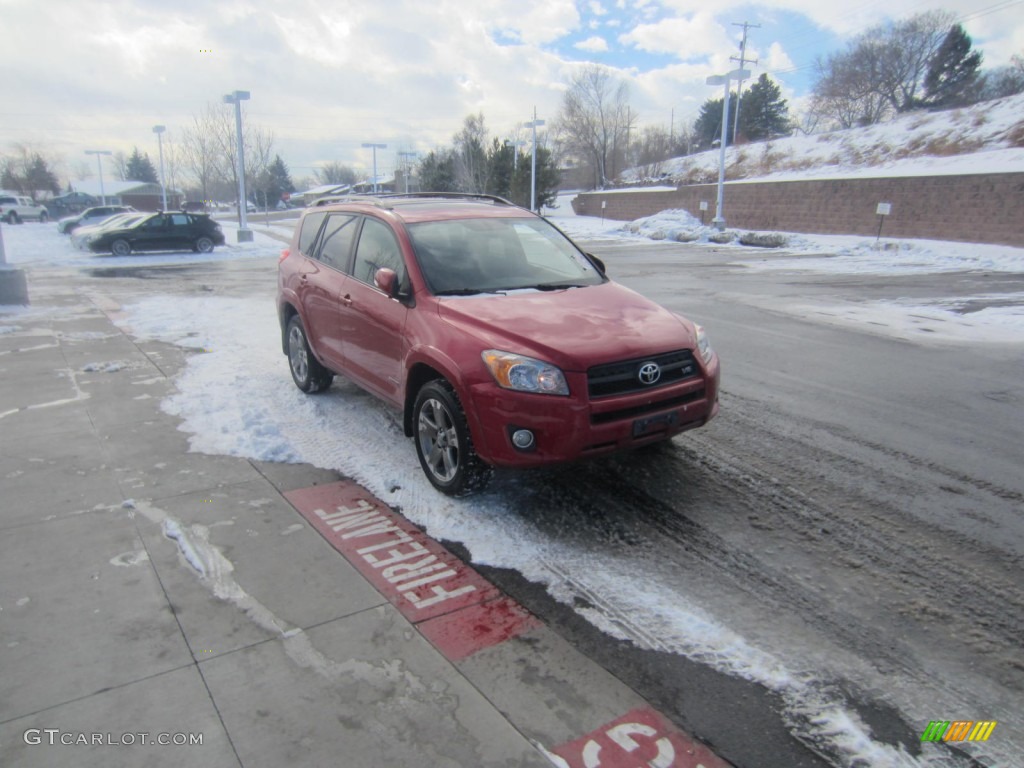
204,245
120,248
44,217
443,443
307,373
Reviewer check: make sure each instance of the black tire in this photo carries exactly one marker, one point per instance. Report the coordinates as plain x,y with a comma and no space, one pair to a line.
443,443
12,218
44,217
307,373
204,245
120,247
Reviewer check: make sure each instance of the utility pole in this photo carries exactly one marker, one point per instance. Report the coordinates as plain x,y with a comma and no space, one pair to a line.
742,60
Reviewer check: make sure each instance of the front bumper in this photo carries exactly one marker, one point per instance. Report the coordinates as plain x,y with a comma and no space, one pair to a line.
576,427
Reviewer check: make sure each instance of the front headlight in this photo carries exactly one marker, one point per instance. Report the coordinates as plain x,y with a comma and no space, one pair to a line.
524,374
703,343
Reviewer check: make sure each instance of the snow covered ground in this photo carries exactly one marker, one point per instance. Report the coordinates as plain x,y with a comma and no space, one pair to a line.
275,422
984,138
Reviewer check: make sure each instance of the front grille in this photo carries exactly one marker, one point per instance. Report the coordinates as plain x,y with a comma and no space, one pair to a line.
640,410
624,377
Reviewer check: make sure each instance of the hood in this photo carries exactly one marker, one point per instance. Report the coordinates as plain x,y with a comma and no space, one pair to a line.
574,328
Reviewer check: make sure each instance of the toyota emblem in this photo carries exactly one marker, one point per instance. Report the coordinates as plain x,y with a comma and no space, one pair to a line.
649,373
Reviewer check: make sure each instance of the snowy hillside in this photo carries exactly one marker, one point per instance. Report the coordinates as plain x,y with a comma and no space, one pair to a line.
984,138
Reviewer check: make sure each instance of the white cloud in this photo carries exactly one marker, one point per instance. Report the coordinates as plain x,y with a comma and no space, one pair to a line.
594,44
597,9
687,38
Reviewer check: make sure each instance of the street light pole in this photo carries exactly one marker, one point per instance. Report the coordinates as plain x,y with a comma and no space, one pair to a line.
99,169
533,160
244,233
406,166
736,74
374,147
159,131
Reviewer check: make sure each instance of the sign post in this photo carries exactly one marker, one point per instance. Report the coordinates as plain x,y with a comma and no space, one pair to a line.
883,210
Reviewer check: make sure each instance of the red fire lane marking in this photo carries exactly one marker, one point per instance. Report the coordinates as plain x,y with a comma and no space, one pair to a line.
640,737
416,574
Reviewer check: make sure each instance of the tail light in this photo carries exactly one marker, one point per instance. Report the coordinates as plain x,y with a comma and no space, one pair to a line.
284,255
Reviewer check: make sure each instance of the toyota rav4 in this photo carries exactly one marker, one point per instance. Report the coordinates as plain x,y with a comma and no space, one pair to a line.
499,340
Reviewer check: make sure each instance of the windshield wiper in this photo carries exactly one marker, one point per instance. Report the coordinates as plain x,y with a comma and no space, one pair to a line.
549,286
467,291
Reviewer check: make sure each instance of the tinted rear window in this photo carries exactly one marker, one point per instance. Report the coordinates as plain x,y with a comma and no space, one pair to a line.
310,226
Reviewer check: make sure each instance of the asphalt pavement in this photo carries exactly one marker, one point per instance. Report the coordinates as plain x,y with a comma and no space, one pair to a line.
165,607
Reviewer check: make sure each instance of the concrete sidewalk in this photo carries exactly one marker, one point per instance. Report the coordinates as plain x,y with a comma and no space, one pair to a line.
149,594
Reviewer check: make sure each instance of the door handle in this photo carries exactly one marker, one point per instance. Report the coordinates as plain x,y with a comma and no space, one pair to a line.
347,300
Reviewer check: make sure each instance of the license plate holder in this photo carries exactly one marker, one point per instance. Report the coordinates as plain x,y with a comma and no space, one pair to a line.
651,424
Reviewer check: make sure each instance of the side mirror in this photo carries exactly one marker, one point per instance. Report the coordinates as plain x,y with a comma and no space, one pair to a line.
598,263
387,281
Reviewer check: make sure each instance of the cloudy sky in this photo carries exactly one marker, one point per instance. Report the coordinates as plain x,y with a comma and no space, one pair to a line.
327,76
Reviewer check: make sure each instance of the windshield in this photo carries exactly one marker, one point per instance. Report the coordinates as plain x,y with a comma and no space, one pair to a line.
467,256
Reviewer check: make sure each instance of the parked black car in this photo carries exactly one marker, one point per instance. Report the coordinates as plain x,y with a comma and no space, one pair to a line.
160,232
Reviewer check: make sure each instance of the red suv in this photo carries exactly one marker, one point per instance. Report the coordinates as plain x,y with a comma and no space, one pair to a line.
501,342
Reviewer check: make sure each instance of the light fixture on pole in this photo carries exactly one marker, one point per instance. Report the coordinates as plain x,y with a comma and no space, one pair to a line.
374,147
99,169
406,166
736,74
534,124
159,131
244,233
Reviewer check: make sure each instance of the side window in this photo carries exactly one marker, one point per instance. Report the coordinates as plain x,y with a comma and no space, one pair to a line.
336,244
179,220
310,226
155,223
377,248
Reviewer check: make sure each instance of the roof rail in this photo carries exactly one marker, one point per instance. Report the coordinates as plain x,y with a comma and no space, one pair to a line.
449,195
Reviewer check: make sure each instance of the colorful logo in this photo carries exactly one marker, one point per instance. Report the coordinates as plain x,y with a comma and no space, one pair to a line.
958,730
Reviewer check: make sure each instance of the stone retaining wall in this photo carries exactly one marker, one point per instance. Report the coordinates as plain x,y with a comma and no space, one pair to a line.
979,208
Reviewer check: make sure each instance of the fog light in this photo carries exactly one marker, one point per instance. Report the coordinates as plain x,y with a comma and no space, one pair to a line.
522,439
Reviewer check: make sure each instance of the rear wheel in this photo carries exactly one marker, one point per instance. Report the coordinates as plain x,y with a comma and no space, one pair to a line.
12,217
443,443
307,373
44,217
120,248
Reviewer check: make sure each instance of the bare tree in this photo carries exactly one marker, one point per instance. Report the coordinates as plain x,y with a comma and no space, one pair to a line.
846,92
471,166
258,144
200,152
594,120
881,72
120,162
335,173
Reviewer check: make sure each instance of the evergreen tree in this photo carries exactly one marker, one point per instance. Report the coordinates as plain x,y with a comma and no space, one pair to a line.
708,127
273,183
952,72
548,179
140,168
764,114
27,173
501,165
437,172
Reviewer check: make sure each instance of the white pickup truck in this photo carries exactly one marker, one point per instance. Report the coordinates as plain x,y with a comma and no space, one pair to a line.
15,209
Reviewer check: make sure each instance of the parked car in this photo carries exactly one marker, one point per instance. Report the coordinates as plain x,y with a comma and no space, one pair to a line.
160,232
499,340
194,206
82,235
15,209
93,215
